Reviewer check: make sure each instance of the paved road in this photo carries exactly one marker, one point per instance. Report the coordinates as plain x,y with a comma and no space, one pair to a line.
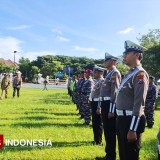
31,85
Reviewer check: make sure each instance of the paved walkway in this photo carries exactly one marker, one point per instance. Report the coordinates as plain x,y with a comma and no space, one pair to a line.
50,86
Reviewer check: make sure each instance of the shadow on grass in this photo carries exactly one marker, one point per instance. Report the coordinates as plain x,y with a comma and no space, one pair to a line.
52,113
42,125
37,118
57,101
57,98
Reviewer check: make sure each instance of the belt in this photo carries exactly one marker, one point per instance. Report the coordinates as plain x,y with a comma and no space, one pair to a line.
104,98
124,112
93,99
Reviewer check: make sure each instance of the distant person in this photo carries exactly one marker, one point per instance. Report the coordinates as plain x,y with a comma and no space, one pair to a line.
150,102
17,83
68,86
5,84
57,81
45,85
73,87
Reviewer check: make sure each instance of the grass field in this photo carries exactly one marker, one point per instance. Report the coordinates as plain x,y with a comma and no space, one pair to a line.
50,115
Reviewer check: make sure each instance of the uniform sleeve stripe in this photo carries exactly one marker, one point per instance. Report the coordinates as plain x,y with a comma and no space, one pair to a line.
136,126
113,108
99,104
134,123
110,108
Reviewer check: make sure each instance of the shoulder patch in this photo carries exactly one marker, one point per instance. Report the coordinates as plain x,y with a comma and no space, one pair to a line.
113,79
140,78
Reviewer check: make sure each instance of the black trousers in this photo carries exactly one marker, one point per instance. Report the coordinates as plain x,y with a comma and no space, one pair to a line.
14,91
109,126
96,123
128,150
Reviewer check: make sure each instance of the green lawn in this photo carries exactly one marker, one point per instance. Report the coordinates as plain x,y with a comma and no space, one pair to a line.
50,115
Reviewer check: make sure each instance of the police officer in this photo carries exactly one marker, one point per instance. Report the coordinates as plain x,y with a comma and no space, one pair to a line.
130,103
150,102
17,83
5,84
94,100
86,90
107,97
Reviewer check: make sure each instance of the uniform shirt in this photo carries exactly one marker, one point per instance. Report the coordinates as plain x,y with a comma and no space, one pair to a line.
95,92
5,83
110,85
80,84
87,87
17,82
151,94
132,94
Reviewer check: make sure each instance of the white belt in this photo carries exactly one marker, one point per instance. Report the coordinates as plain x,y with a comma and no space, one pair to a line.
94,99
159,149
104,98
124,112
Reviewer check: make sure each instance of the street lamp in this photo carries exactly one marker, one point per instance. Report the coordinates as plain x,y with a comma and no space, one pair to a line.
14,60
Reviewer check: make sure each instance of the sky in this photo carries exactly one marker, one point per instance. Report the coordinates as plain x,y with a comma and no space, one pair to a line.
73,27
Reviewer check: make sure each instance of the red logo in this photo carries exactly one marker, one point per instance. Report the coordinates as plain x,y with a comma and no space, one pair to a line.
1,140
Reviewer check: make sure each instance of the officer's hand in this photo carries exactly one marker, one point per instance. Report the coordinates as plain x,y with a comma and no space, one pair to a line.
110,115
98,111
131,136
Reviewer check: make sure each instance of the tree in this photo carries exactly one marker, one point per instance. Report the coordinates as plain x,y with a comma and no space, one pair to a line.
150,39
34,72
24,67
122,68
151,56
151,61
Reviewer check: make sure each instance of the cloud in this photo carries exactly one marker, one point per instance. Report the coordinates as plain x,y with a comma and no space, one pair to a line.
20,27
127,30
83,49
148,25
63,39
8,45
55,30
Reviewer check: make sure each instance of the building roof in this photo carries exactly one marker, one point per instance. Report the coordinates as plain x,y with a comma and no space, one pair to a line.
8,62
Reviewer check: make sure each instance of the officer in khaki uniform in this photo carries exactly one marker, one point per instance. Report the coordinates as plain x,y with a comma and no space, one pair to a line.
130,103
94,101
5,84
107,97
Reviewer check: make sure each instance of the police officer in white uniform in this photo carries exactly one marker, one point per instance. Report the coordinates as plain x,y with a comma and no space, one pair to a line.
130,103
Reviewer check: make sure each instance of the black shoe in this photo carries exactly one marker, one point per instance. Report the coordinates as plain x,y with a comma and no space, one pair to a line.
100,158
85,123
99,144
150,126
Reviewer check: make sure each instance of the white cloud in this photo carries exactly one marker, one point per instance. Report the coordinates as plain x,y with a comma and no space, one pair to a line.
83,49
63,39
148,25
55,30
127,30
20,27
8,45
